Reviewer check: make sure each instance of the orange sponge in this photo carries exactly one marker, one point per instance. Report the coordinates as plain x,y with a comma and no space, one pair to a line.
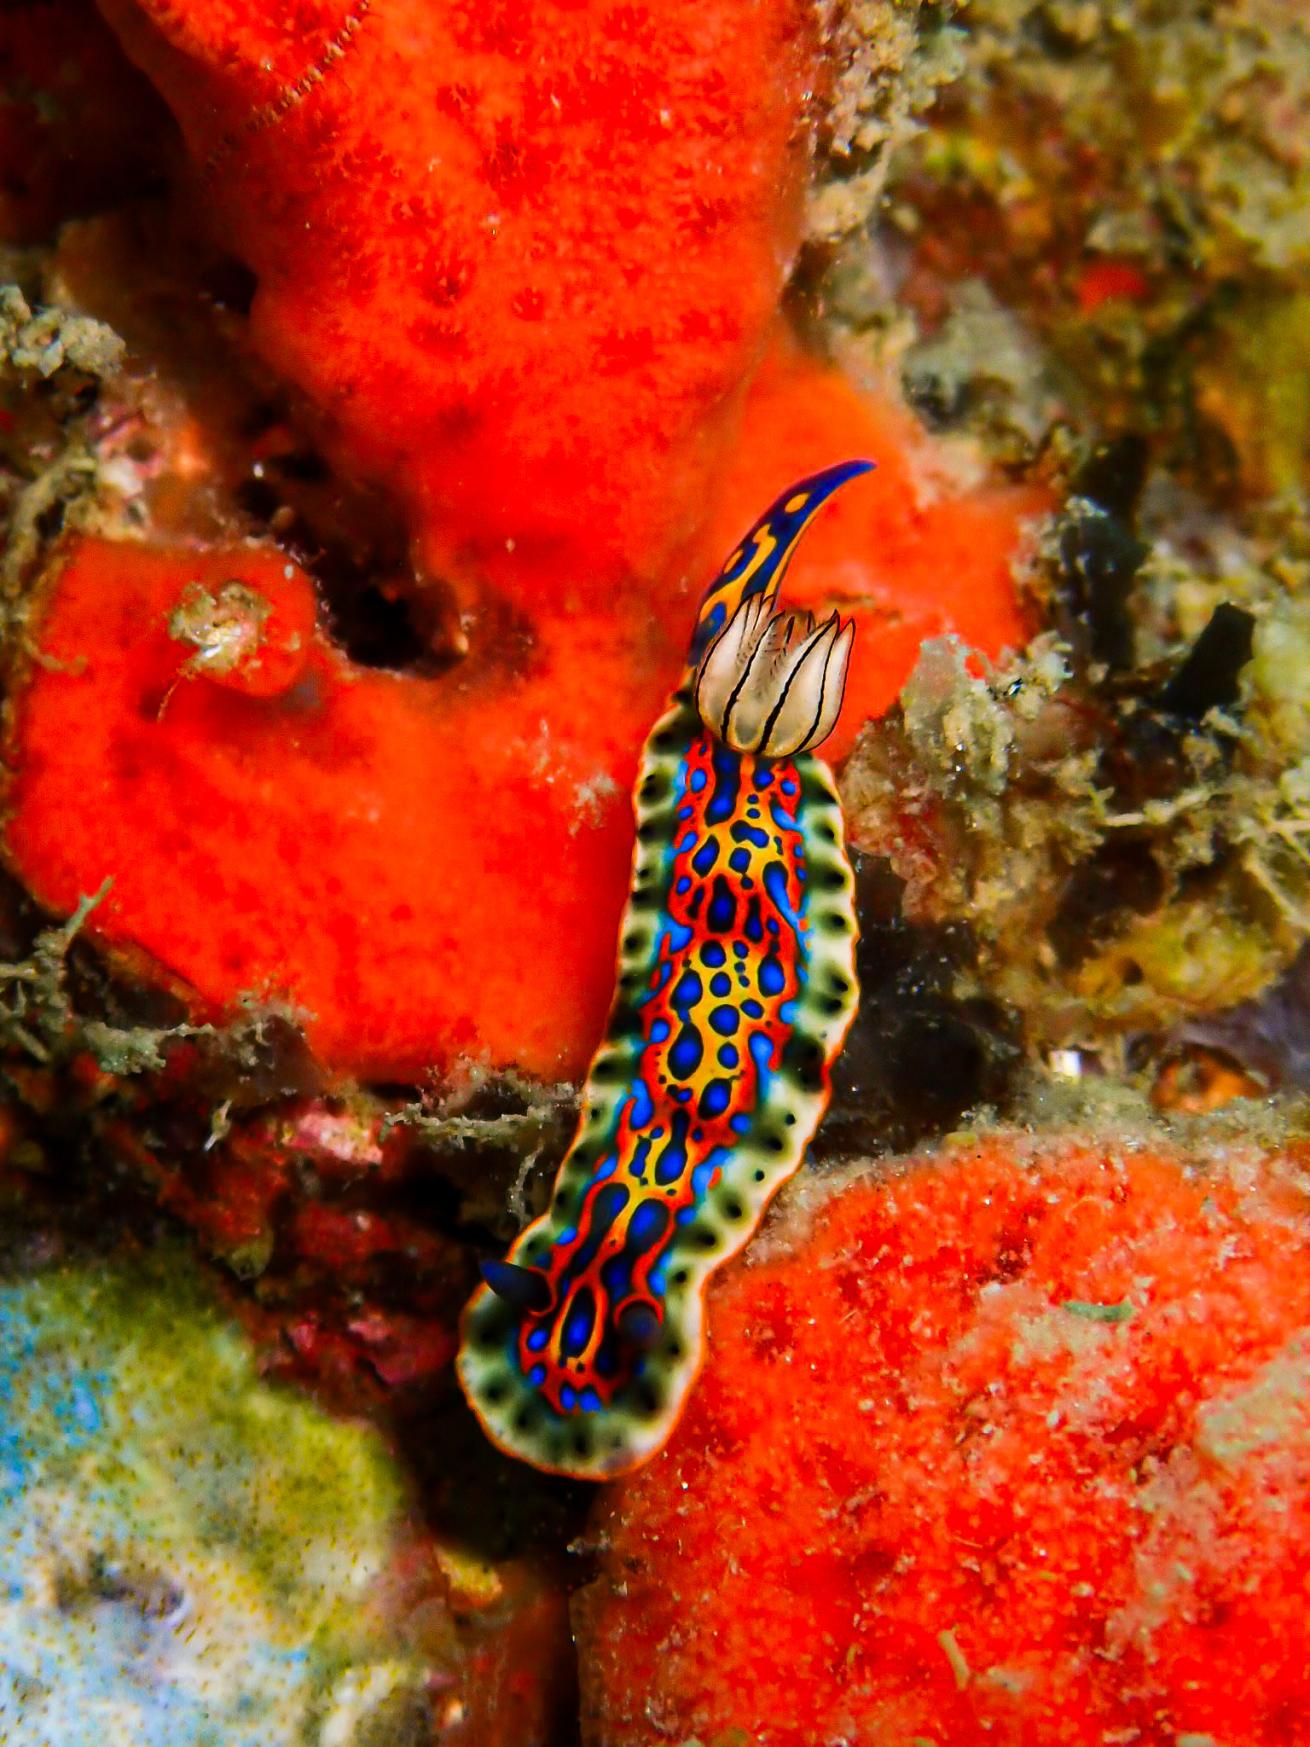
520,259
1010,1446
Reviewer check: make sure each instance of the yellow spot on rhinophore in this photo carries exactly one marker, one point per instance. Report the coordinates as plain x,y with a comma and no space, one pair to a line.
760,556
794,505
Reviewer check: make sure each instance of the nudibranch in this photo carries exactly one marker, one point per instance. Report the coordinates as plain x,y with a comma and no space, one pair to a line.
736,985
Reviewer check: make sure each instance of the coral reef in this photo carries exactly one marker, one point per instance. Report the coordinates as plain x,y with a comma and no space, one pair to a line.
593,446
889,60
367,436
1074,1497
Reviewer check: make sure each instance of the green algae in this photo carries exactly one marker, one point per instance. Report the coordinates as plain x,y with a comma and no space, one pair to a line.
37,1015
955,1657
1124,1311
40,1020
182,1547
490,1122
47,340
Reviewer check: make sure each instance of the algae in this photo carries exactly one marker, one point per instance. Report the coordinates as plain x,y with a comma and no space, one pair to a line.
40,1019
189,1555
1100,219
889,58
53,361
960,1670
37,1014
496,1117
1125,861
1124,1311
51,339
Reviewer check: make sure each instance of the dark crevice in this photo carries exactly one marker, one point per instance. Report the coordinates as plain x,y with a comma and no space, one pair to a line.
379,629
1120,879
353,545
920,1053
229,285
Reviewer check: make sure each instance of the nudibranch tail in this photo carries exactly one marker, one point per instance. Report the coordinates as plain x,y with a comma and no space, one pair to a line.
736,985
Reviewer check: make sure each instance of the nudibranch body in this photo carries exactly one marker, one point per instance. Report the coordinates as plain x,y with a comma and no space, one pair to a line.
736,984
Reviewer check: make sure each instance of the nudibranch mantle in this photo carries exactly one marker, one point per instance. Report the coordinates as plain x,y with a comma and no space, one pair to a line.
736,985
